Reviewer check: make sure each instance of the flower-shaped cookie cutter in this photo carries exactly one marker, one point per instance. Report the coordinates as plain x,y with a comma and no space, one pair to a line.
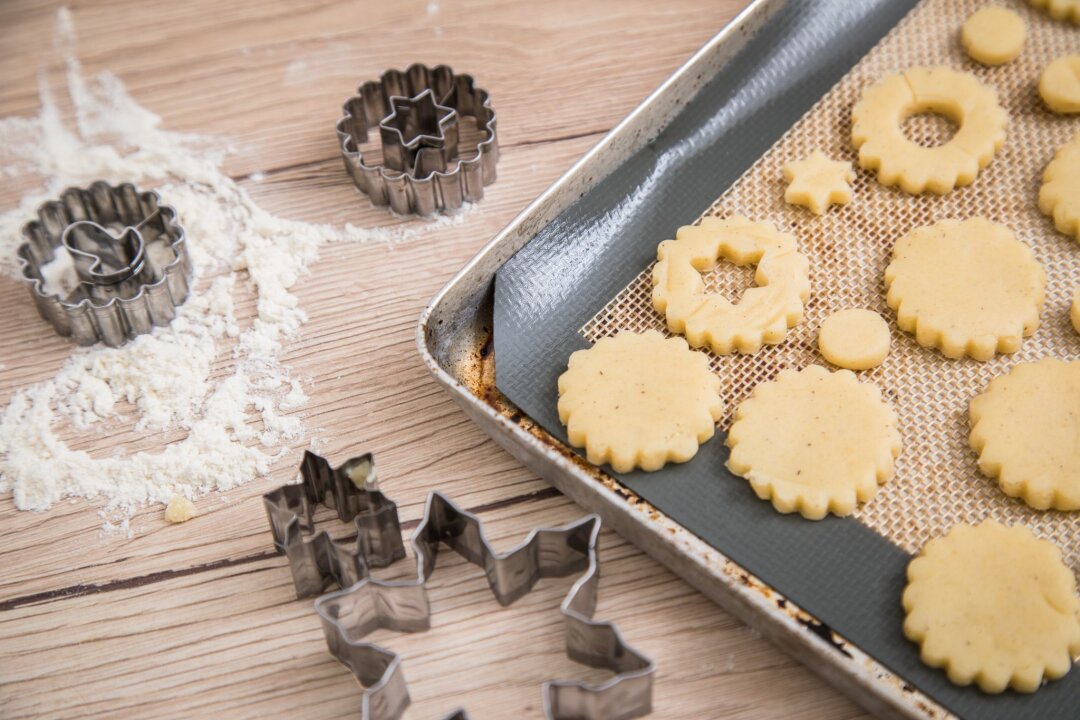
105,263
418,114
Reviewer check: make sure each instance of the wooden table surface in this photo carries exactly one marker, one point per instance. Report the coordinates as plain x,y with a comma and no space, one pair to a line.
200,619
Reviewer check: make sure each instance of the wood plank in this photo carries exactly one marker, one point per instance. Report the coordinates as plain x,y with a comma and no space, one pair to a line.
199,619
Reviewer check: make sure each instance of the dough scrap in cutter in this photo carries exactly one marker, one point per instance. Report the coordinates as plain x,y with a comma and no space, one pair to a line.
814,441
639,401
762,315
993,605
1025,428
965,287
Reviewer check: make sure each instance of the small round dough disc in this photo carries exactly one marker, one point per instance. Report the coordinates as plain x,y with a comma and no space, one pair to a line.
639,400
814,441
854,338
1026,429
993,605
993,35
965,287
1074,313
1059,85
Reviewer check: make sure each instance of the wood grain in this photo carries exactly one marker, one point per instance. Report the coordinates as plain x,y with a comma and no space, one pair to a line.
199,619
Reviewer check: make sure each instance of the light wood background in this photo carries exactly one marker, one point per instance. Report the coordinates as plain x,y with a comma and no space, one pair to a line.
200,619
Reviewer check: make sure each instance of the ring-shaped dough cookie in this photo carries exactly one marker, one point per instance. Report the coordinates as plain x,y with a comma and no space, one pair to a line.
877,134
993,605
1026,429
965,287
763,314
1059,196
639,401
814,441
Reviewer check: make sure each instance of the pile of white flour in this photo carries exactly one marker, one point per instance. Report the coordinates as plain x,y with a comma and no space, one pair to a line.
235,425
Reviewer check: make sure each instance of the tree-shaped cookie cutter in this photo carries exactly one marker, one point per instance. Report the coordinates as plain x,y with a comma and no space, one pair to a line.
351,614
418,112
105,263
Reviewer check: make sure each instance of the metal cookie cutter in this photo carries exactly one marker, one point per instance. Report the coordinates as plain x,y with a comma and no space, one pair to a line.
418,113
351,614
318,561
94,285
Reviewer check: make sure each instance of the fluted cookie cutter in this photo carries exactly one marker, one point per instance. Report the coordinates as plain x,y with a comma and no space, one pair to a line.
418,114
105,263
349,615
316,559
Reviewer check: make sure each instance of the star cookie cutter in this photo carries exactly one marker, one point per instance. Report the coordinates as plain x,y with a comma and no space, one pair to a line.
418,114
105,263
349,615
316,559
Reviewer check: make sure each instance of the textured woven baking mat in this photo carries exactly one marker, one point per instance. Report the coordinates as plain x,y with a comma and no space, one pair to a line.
937,482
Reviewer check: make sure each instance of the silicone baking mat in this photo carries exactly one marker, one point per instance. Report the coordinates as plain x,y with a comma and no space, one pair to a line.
790,91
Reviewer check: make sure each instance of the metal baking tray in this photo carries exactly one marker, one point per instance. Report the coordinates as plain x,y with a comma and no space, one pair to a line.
455,332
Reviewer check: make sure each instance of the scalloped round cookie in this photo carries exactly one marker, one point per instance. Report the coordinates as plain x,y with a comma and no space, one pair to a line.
814,441
1059,196
639,401
993,605
1060,9
959,96
1059,85
993,35
854,338
1026,429
965,287
1074,311
762,315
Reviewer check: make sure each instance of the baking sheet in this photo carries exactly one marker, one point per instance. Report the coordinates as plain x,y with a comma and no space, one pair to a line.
847,575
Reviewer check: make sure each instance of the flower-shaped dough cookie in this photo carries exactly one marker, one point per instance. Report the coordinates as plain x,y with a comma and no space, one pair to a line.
814,441
639,401
1026,429
817,182
959,96
993,605
965,287
763,314
1059,85
1059,196
1060,9
1074,311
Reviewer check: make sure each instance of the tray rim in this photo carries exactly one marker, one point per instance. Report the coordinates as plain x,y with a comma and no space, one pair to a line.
707,569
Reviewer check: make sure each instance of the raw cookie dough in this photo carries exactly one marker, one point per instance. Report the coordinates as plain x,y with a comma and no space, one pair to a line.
180,509
877,134
1059,196
993,35
855,339
1060,9
1026,429
1074,313
965,287
762,315
639,401
817,182
993,605
814,441
1059,85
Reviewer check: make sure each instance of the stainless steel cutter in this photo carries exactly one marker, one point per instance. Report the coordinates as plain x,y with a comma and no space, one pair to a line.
417,112
105,263
369,604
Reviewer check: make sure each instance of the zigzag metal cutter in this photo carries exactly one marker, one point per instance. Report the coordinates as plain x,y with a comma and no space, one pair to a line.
369,604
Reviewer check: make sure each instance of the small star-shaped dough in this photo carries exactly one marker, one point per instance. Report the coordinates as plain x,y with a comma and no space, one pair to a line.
818,182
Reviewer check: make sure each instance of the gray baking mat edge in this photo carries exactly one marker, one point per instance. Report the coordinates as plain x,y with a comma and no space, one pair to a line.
838,570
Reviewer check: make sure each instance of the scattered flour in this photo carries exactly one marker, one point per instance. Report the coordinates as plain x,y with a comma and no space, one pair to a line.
165,377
